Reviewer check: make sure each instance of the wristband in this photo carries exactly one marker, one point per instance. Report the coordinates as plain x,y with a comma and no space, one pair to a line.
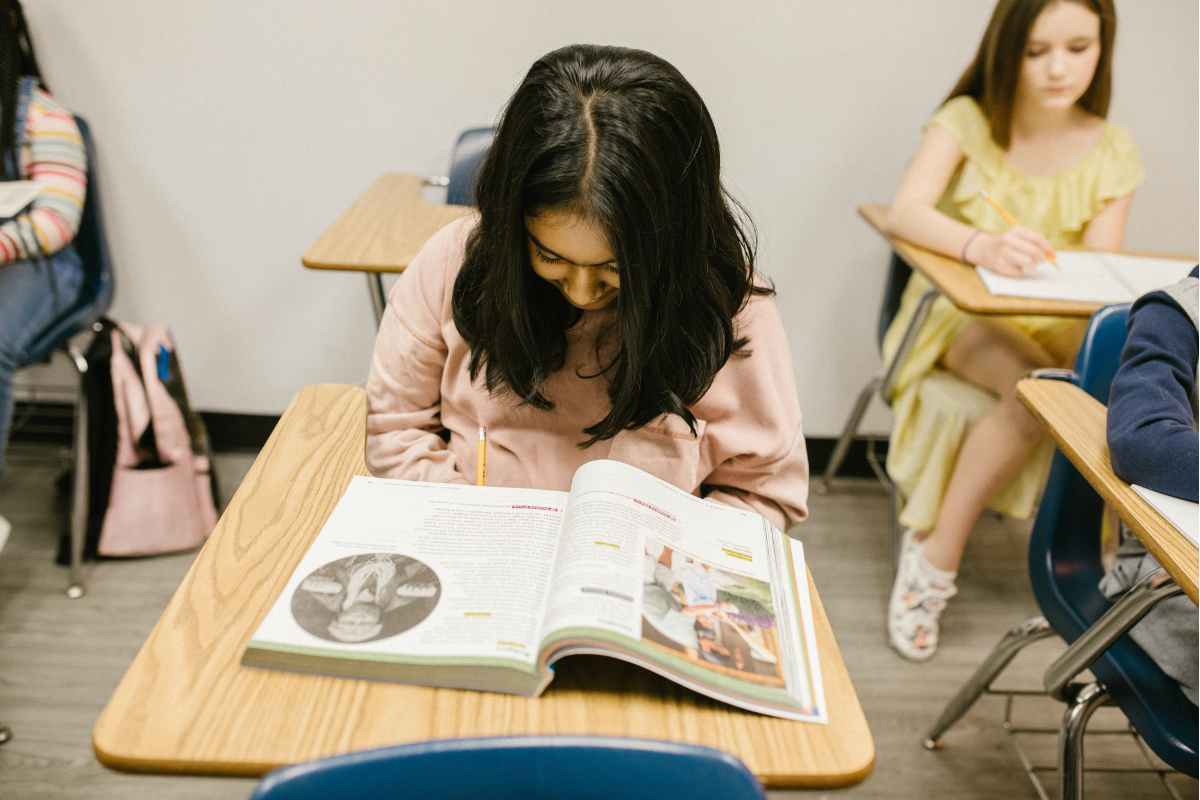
963,256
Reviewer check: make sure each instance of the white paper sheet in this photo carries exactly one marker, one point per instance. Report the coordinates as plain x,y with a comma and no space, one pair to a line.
1090,277
15,195
1183,514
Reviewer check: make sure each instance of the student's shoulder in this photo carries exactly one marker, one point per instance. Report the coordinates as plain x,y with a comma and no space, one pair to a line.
439,261
963,118
428,282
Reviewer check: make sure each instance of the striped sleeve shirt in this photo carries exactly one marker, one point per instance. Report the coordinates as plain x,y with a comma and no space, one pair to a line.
52,154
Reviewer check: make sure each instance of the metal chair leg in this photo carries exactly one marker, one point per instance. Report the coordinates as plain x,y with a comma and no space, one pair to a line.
79,507
378,300
1070,740
881,383
1013,642
851,428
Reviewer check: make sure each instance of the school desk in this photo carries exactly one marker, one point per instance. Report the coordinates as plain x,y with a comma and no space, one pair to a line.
382,232
962,286
186,705
1077,423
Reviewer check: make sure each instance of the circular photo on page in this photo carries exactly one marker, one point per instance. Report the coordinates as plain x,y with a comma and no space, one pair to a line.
366,597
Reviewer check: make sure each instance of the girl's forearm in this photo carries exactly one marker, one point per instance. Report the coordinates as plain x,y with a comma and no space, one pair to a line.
924,225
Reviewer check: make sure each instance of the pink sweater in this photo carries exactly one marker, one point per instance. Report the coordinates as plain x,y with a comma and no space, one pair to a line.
749,451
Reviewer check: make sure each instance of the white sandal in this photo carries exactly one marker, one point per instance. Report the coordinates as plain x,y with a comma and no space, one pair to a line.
916,603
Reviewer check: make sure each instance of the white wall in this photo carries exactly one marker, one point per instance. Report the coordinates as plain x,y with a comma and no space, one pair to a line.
232,133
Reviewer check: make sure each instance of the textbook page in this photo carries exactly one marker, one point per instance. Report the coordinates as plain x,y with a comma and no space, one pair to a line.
15,195
422,573
687,588
1082,277
1184,515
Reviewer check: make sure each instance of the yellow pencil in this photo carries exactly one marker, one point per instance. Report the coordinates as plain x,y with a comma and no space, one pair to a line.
1010,219
482,460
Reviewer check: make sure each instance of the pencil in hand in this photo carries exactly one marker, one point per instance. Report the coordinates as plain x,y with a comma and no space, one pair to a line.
1011,220
481,461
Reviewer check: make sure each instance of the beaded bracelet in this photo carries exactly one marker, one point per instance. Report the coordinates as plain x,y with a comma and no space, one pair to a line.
963,256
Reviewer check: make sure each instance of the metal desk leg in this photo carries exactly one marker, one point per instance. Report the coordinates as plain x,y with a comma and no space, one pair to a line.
378,301
1070,740
1013,642
882,382
1106,630
79,508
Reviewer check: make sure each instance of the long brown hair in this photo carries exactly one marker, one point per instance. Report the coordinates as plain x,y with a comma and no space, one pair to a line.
993,76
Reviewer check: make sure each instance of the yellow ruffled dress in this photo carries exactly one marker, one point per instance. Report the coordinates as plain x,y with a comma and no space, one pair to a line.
932,409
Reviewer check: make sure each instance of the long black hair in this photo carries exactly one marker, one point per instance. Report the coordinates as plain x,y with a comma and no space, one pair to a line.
620,137
17,61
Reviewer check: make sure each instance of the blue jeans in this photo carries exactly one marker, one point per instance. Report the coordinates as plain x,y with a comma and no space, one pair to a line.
33,296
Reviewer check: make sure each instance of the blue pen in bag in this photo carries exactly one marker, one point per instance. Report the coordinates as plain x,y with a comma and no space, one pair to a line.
164,364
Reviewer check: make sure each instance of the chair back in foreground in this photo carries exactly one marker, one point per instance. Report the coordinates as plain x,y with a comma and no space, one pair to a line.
92,246
1065,570
464,165
519,768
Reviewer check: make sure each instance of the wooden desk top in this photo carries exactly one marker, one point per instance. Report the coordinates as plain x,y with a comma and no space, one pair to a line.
186,705
962,284
384,230
1077,422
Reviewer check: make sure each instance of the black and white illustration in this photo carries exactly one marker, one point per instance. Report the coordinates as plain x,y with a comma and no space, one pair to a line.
366,597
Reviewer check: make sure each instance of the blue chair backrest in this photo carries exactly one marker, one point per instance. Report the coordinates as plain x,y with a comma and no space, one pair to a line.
898,274
464,165
519,768
92,246
1065,570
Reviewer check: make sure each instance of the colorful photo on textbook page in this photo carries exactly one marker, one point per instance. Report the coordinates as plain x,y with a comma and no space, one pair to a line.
712,617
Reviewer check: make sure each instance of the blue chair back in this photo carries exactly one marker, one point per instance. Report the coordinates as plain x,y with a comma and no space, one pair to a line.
898,274
1065,569
92,246
519,768
464,165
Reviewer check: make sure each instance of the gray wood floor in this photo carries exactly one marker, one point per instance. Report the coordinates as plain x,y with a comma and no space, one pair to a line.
60,659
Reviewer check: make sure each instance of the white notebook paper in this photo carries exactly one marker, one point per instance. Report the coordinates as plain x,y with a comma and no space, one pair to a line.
1183,514
1090,277
15,195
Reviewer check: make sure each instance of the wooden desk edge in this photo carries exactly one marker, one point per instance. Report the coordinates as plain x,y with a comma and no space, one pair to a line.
237,769
1156,549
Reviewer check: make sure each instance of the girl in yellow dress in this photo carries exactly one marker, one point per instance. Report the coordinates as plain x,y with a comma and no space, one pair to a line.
1027,123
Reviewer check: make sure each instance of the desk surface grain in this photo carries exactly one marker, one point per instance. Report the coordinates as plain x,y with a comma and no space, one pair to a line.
962,284
186,705
1077,422
384,230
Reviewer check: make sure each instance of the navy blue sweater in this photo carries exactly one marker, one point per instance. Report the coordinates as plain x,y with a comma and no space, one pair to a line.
1150,436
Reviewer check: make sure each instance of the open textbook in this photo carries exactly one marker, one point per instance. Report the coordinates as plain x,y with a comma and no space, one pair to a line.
485,588
1091,277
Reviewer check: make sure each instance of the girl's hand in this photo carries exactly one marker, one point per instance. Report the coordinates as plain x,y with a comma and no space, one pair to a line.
1012,253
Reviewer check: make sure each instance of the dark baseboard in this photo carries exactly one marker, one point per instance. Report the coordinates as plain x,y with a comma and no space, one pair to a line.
43,423
238,433
854,466
52,423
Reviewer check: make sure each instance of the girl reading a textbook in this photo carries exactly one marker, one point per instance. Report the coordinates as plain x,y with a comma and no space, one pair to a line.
603,303
40,273
1026,123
